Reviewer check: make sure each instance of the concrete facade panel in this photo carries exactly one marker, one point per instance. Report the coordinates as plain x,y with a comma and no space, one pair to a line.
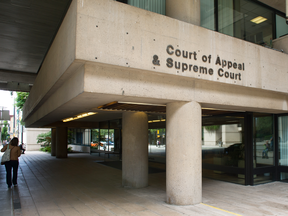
138,35
130,83
68,90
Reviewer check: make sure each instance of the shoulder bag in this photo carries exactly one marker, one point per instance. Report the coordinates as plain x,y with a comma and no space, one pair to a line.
6,155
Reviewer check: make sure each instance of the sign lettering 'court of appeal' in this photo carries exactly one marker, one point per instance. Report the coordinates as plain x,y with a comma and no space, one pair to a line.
184,66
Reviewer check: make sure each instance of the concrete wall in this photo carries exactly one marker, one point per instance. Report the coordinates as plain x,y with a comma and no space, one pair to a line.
30,138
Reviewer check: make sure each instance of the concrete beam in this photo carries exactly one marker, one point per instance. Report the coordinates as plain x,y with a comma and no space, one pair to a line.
17,76
15,86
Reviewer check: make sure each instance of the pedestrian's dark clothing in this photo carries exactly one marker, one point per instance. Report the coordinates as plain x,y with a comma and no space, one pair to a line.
22,148
9,165
15,152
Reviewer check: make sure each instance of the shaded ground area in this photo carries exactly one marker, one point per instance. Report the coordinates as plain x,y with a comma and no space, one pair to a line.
79,186
118,165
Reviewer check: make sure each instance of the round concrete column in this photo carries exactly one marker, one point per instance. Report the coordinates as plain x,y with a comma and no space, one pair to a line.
53,141
61,142
134,149
183,153
184,10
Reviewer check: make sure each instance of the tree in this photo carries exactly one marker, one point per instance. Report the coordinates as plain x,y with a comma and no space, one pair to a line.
4,132
264,127
21,99
44,138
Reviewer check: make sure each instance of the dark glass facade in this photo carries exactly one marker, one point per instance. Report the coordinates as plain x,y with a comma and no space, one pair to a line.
244,19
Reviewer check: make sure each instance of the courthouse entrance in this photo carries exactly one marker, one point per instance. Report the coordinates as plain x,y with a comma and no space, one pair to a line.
239,148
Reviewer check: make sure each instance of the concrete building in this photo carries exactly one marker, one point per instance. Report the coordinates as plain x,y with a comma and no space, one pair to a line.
185,66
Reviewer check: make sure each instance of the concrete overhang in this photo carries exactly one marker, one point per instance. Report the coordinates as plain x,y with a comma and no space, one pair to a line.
28,28
104,51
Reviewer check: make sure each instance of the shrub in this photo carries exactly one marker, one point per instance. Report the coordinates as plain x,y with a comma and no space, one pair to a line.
46,149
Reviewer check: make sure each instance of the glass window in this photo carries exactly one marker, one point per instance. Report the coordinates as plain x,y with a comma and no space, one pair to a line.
104,135
263,140
283,140
223,147
78,136
94,140
157,144
115,136
263,178
281,26
284,176
225,17
208,14
71,136
246,20
156,6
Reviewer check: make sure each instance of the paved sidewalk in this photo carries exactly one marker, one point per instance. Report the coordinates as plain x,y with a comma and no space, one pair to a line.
81,186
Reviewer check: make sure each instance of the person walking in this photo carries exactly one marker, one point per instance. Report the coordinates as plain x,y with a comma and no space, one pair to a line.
22,148
265,151
15,152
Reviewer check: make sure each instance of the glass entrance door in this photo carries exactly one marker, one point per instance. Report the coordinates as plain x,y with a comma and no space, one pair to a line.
223,147
263,148
241,147
283,148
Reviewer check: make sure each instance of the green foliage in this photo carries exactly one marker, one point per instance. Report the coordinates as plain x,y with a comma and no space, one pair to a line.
21,99
264,127
212,127
44,138
69,149
70,136
4,132
46,149
95,134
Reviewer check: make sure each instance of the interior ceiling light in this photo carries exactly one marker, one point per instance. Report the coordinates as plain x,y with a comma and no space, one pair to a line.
230,110
161,120
83,115
258,20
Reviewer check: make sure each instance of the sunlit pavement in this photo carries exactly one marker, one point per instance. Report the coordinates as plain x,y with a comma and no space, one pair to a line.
79,185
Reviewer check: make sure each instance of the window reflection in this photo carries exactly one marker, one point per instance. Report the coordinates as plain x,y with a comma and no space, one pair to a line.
223,147
283,142
157,144
281,26
208,14
263,140
235,19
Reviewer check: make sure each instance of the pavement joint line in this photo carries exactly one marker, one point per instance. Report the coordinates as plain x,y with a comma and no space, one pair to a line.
220,209
16,204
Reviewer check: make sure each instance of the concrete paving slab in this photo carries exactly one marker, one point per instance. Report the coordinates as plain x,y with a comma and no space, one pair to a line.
80,186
